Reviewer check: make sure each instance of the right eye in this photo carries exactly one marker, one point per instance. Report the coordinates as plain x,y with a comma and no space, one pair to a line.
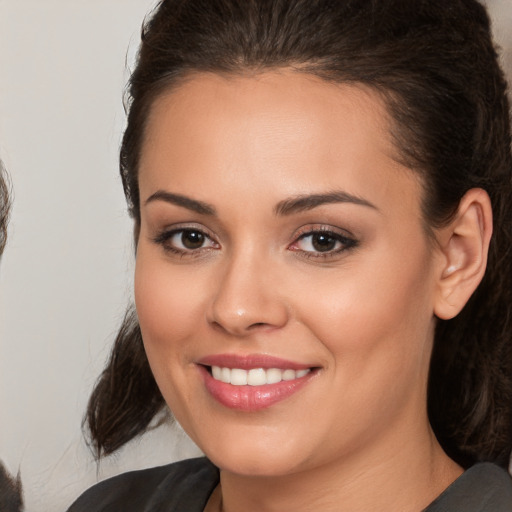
185,241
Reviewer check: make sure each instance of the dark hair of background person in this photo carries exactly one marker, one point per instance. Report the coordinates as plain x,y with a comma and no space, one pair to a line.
5,206
436,67
11,499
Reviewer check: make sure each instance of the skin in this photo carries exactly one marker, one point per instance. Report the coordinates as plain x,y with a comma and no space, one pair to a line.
364,316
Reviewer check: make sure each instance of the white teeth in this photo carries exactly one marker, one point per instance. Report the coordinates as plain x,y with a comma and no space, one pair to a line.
289,375
255,376
238,377
274,375
225,375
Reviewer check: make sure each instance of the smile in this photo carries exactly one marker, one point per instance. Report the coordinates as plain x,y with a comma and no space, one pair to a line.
256,376
254,382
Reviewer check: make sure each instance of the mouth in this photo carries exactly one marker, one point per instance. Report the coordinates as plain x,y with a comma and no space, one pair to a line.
254,382
255,376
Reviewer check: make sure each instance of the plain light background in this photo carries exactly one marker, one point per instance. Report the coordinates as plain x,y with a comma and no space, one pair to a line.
65,278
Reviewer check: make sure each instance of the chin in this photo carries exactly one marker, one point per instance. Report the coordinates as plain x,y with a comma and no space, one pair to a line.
255,466
256,459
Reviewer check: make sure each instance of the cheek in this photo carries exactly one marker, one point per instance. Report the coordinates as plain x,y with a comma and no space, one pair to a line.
168,307
168,303
377,312
377,327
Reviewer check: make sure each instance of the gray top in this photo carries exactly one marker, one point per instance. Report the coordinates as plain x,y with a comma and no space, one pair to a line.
186,486
484,487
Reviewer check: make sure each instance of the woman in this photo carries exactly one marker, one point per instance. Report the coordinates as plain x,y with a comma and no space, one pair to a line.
314,187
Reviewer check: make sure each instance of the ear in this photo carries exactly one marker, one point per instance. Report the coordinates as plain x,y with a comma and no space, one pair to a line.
464,245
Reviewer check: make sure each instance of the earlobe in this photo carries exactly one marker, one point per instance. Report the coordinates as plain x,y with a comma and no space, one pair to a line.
464,245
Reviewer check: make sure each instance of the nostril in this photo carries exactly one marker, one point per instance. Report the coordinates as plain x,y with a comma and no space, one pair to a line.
257,324
258,313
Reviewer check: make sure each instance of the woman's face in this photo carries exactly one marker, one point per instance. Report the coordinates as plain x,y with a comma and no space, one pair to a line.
284,284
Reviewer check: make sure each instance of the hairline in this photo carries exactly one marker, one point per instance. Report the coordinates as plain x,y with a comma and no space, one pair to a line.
170,83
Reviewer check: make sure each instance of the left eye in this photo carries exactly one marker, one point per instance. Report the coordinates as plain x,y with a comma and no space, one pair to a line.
189,240
322,242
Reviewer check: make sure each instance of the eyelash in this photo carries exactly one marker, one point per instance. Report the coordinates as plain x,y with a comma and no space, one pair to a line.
165,237
345,242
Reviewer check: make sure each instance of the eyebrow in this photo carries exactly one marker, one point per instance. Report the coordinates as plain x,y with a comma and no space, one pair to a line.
287,207
308,202
183,201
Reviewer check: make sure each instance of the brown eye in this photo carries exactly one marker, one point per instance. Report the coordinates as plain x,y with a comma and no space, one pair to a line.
323,242
320,241
185,241
192,239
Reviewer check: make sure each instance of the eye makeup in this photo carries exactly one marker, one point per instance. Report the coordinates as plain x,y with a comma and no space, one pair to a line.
186,241
316,241
324,242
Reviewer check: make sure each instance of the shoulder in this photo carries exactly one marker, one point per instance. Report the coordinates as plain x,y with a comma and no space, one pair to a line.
482,488
184,485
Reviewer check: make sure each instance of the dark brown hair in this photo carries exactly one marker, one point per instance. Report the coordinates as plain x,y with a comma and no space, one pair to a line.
435,64
5,205
11,494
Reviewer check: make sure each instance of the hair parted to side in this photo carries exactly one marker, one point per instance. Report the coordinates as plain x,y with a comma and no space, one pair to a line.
435,65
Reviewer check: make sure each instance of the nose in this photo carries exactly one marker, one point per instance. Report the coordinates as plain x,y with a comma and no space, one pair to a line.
247,297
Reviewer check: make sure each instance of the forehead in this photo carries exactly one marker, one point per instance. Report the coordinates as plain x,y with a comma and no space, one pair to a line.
278,133
271,100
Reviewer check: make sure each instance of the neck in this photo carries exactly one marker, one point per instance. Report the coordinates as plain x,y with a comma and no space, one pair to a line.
406,476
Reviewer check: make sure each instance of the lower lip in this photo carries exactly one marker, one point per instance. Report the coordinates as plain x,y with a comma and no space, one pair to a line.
252,398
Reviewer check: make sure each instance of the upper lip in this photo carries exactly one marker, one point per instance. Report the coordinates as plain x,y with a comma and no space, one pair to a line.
247,362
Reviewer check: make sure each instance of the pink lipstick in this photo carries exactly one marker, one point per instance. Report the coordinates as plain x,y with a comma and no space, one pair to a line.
253,382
